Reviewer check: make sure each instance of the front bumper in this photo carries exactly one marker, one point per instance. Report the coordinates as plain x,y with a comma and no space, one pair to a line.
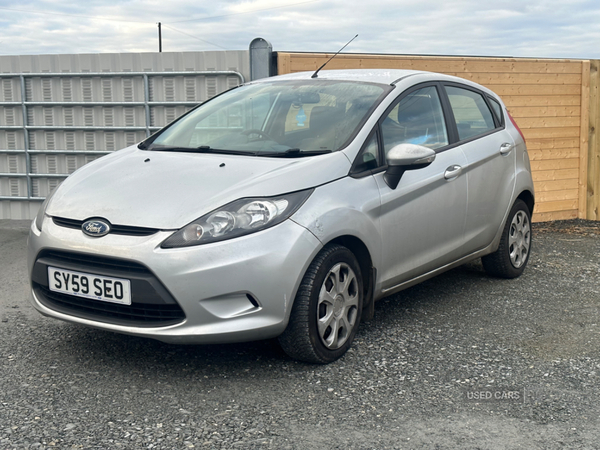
230,291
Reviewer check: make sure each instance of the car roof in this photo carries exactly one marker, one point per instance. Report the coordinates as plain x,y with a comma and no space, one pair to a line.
382,76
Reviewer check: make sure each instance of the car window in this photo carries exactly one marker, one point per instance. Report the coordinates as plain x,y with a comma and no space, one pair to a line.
416,119
299,116
471,112
329,119
497,109
267,118
368,158
249,114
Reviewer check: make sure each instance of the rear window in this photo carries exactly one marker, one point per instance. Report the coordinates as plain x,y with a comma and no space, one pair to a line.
497,109
471,112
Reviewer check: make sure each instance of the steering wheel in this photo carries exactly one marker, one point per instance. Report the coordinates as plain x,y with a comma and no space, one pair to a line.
262,135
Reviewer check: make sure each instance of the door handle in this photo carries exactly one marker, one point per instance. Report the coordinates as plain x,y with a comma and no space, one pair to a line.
452,172
506,148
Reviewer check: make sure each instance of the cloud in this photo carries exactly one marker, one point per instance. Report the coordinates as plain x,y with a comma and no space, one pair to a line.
535,28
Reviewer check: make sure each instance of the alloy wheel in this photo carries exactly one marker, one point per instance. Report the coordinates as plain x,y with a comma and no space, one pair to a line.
519,239
337,306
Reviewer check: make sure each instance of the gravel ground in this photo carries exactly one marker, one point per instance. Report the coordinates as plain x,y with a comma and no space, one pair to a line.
407,383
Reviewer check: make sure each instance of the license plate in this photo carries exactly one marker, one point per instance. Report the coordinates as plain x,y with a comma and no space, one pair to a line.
97,287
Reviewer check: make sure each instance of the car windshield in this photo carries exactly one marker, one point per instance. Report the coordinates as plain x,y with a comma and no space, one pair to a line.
279,118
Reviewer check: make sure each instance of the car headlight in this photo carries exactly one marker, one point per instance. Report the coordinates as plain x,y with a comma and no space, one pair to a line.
39,219
238,218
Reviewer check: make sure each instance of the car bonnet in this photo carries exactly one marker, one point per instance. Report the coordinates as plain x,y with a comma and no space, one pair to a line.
167,190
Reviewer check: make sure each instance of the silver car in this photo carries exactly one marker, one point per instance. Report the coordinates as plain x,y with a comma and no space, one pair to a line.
285,208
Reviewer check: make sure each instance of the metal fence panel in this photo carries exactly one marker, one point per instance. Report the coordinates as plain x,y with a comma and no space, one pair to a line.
59,112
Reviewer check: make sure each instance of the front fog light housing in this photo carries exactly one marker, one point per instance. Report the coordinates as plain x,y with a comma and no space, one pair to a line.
238,218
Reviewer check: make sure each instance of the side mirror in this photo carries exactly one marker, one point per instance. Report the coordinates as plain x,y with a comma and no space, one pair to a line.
405,157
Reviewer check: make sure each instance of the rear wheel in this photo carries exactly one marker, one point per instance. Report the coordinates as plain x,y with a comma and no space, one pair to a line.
327,308
510,259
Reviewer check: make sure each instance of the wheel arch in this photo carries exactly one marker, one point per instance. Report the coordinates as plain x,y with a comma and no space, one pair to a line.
527,197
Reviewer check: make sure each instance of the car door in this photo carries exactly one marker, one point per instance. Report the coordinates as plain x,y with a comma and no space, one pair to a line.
491,162
422,220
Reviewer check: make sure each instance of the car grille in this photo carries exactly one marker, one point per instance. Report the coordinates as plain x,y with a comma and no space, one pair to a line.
152,305
114,229
145,315
93,262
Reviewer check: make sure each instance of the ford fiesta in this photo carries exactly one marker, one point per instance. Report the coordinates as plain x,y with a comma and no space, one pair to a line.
284,208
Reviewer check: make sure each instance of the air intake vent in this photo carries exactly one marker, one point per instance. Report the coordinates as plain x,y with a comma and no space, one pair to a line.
152,305
47,89
7,87
67,90
114,229
138,315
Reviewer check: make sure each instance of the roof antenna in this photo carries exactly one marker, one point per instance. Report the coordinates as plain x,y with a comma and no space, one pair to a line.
314,75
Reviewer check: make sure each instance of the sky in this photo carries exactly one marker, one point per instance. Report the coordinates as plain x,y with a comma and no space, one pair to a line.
519,28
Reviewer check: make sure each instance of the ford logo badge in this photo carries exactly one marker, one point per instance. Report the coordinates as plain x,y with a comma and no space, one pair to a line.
95,227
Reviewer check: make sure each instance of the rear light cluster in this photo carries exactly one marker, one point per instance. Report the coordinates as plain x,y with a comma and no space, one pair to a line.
516,126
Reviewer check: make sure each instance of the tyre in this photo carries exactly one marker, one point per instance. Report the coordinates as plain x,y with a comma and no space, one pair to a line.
327,308
510,259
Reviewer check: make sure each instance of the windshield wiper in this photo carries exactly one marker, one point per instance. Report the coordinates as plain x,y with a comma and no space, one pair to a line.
200,149
290,153
294,153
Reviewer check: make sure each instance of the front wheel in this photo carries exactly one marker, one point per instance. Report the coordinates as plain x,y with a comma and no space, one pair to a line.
510,259
327,308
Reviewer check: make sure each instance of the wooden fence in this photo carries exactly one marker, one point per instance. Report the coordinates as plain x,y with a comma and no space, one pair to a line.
593,189
555,103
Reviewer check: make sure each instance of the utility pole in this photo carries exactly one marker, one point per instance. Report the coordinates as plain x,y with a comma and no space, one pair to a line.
159,38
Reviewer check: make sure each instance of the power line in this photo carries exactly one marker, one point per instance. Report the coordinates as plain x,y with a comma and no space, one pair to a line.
195,37
163,24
